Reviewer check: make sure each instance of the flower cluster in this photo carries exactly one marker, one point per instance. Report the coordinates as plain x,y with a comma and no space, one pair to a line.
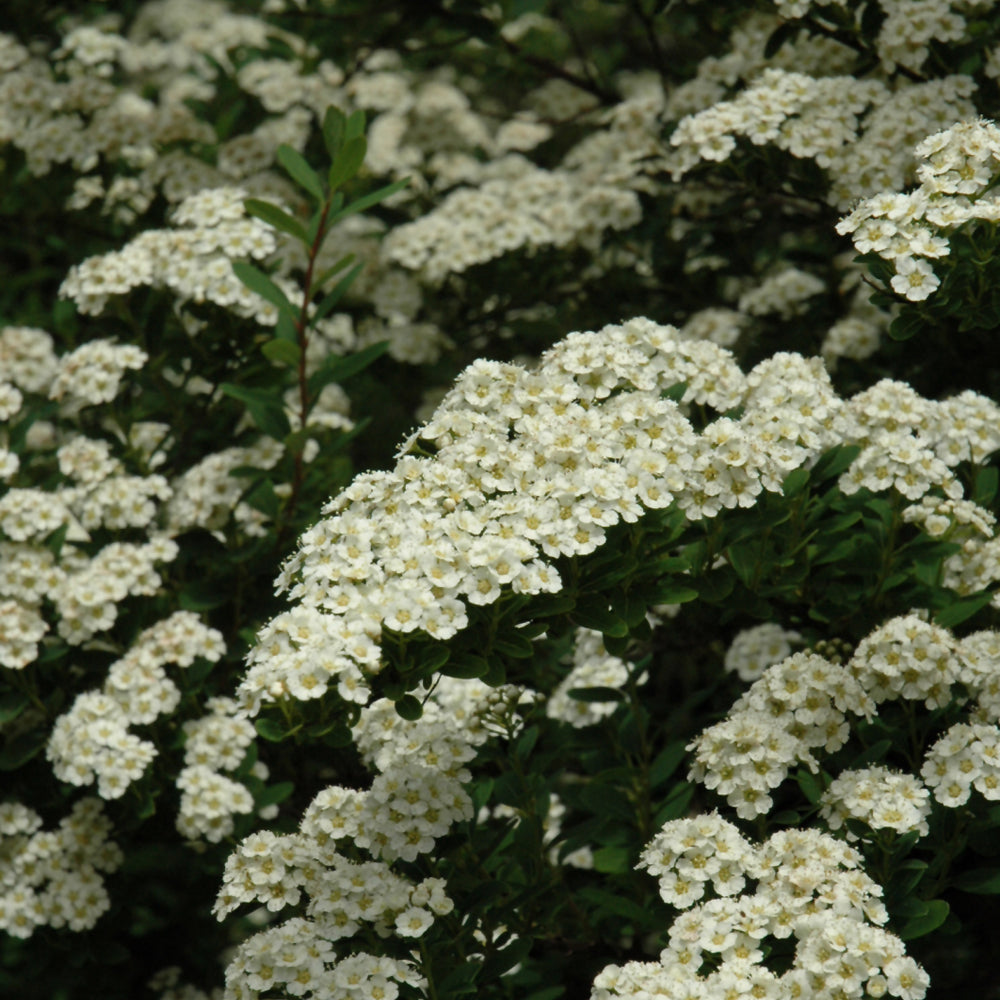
53,877
795,707
958,168
809,886
881,799
93,740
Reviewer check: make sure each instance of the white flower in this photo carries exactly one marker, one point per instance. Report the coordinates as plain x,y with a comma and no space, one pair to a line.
914,278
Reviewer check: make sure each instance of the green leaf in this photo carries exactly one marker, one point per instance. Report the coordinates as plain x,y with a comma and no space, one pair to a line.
264,406
505,959
21,749
263,498
666,762
199,595
985,489
612,860
334,122
257,281
981,881
795,482
409,707
673,593
354,126
514,645
906,325
835,461
934,915
335,294
596,695
466,666
339,369
785,32
282,352
676,803
298,169
274,794
12,704
594,613
275,217
270,729
367,201
348,162
618,905
331,271
811,787
958,612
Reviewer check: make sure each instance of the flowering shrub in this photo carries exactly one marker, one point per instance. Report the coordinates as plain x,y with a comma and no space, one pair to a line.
366,632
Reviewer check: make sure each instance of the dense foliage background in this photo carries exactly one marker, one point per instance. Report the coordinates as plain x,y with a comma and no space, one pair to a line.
499,499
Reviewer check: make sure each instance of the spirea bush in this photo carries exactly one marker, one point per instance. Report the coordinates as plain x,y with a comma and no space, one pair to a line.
499,500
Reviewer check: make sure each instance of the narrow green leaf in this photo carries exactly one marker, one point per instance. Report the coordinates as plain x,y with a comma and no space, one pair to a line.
344,261
812,789
618,905
274,794
265,407
282,352
354,126
985,490
958,612
275,217
367,201
21,749
611,860
348,162
596,695
981,881
12,704
335,294
299,170
666,762
334,121
795,482
336,369
257,281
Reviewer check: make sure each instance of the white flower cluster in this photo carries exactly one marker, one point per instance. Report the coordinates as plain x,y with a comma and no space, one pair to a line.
879,798
92,373
907,657
786,293
809,886
861,131
53,877
966,757
754,649
794,708
911,444
801,704
958,167
526,466
532,209
415,797
92,739
593,666
206,495
193,259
